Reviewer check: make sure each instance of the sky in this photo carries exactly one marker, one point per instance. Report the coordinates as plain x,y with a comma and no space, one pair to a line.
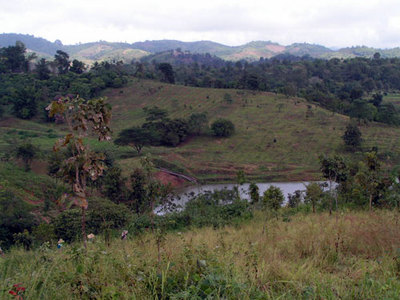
332,23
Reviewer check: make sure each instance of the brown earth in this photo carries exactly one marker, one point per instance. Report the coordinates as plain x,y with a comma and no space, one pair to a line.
166,179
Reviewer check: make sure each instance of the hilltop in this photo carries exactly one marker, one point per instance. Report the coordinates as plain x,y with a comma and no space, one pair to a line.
252,51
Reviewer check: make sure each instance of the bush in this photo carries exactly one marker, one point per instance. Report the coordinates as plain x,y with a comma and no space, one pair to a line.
222,128
273,198
15,216
102,214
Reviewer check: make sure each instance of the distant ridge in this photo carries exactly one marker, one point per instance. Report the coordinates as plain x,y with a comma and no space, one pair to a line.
251,51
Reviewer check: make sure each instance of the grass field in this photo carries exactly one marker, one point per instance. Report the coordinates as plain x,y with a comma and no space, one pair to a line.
277,138
354,255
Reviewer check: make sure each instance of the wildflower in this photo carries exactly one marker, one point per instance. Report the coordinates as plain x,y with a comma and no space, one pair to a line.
124,234
17,291
90,236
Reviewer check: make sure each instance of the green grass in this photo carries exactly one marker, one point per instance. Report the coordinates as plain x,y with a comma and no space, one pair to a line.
260,119
354,255
274,140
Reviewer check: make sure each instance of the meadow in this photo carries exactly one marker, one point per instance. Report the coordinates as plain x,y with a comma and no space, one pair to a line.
348,255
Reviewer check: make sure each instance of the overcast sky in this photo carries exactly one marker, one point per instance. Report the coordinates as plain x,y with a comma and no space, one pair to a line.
333,23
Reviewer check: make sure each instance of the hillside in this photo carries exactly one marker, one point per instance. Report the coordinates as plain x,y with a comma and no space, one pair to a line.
252,51
277,138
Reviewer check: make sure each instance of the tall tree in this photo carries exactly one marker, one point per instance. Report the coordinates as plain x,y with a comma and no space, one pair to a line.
77,67
42,69
62,61
81,116
13,58
334,169
313,194
167,71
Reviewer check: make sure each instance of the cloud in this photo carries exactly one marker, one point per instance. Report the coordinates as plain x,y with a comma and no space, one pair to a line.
329,22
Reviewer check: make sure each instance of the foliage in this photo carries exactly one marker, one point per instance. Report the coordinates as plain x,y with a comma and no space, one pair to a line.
313,195
254,193
295,199
272,198
15,216
167,71
101,215
352,136
223,128
81,116
61,59
12,58
136,137
198,123
27,152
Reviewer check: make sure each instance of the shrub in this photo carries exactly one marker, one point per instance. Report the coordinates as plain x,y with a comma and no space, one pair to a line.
273,198
222,128
102,214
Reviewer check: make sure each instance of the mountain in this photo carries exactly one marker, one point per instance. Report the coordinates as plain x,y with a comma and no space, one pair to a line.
102,50
87,52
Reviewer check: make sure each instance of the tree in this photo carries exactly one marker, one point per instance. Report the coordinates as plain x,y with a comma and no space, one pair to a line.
113,185
138,195
313,194
25,103
136,137
77,67
27,152
62,61
222,128
295,199
369,176
81,116
254,193
168,72
197,123
334,169
352,136
273,198
42,69
13,58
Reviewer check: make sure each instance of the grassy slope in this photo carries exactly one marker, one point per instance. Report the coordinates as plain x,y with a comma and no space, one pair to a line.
352,256
258,121
299,140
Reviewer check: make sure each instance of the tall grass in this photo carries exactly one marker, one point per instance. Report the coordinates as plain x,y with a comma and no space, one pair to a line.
354,255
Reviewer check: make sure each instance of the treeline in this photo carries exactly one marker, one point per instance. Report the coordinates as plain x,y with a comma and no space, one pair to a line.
27,87
349,86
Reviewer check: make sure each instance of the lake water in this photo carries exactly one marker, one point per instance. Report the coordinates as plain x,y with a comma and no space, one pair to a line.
286,187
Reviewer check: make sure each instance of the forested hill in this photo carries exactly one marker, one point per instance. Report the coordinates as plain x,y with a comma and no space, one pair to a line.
252,51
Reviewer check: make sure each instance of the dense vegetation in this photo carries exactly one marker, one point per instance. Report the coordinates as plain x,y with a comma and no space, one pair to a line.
218,245
27,88
352,87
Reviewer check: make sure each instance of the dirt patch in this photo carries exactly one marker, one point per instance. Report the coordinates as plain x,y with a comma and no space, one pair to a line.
166,179
39,167
275,48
